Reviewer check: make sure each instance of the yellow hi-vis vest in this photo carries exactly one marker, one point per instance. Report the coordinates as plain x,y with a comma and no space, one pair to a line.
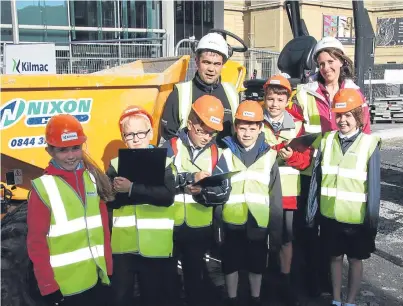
186,98
311,114
289,177
76,235
186,209
344,178
250,190
149,229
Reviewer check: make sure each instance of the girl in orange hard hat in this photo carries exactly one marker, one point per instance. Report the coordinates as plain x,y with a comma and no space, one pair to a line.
68,233
254,210
345,192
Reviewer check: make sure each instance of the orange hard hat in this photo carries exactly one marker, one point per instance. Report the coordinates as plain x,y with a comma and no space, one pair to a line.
346,100
249,111
280,81
64,130
132,111
210,111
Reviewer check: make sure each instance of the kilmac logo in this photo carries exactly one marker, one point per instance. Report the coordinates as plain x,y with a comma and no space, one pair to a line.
38,112
20,67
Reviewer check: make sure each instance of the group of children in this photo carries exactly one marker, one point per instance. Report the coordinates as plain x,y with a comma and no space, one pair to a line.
72,243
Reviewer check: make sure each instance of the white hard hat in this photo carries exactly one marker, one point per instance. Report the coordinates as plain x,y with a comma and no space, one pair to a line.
214,42
328,42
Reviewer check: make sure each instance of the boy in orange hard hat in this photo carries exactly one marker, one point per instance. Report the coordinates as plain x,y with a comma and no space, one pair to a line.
195,155
142,227
254,210
281,125
345,190
68,233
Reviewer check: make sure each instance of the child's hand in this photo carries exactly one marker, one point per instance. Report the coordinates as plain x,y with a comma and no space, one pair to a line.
285,153
193,190
121,184
201,175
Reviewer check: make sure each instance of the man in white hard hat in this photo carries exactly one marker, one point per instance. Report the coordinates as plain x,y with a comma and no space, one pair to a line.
211,54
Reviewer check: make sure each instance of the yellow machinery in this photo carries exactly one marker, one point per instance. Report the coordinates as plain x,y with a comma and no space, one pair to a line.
27,103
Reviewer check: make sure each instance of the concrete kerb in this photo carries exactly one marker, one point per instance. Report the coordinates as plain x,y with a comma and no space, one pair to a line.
389,133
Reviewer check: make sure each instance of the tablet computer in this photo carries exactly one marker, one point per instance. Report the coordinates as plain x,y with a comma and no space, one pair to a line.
143,166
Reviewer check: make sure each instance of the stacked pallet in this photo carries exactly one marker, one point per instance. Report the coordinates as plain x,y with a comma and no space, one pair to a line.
389,108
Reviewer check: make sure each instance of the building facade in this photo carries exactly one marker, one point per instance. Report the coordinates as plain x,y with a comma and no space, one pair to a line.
69,21
265,25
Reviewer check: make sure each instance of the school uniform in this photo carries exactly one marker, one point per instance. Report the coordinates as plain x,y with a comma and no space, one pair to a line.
193,233
344,196
253,215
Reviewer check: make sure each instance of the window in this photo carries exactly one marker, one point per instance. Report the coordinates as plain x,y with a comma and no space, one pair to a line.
51,13
193,18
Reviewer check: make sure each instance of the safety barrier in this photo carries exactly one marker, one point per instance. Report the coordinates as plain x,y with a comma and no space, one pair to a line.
92,56
259,63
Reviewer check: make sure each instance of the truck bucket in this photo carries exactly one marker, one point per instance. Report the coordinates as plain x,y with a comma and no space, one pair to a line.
97,100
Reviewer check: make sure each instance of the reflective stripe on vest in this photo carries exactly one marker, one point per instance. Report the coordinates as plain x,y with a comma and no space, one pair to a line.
76,234
250,190
124,238
186,209
146,229
185,97
310,110
289,177
344,178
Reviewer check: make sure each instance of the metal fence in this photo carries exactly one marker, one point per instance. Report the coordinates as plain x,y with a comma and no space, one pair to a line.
93,56
259,62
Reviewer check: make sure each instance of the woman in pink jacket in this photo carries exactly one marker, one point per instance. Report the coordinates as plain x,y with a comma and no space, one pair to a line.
336,72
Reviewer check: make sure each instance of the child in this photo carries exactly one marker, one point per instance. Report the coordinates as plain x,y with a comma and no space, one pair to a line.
346,187
143,223
68,234
195,155
254,209
281,126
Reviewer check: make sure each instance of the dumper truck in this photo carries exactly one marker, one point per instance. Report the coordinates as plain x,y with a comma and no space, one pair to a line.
96,100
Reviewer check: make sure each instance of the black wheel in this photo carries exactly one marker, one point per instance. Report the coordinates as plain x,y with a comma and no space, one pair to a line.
244,47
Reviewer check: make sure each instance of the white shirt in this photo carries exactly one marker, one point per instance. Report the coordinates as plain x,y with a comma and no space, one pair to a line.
195,151
341,136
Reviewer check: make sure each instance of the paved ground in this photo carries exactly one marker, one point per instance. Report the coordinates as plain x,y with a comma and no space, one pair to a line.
383,272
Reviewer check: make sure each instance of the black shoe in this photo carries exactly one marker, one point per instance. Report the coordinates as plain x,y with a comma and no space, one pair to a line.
287,291
232,302
255,301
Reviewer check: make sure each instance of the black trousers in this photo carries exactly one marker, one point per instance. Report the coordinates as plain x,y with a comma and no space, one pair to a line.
96,296
157,279
191,253
310,246
125,269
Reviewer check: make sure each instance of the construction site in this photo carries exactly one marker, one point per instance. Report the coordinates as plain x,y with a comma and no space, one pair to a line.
95,81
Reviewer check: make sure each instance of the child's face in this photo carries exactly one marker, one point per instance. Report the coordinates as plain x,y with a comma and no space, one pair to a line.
247,133
275,104
346,123
200,134
137,133
68,158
